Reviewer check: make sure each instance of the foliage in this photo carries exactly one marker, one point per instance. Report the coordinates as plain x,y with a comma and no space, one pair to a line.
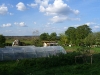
82,32
90,39
2,41
97,35
84,50
58,65
37,42
63,39
77,35
53,36
44,36
71,34
47,37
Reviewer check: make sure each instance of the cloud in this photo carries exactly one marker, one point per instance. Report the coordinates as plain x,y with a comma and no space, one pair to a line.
43,3
57,19
32,5
3,9
22,24
7,25
20,6
57,8
96,27
90,23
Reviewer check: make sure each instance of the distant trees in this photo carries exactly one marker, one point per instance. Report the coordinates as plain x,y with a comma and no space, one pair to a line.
2,41
47,37
44,36
53,36
77,36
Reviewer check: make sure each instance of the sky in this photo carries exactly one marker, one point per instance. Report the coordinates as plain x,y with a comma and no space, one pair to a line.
34,17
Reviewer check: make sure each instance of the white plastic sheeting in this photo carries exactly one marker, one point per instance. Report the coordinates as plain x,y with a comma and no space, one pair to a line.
21,52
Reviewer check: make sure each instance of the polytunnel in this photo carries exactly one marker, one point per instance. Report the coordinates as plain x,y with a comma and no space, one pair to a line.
22,52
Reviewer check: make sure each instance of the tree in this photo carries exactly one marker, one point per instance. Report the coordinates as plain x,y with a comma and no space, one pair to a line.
82,32
44,36
53,36
97,35
90,39
2,41
63,39
37,42
71,34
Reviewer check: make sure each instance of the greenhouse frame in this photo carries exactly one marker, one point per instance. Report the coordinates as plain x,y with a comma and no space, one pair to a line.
23,52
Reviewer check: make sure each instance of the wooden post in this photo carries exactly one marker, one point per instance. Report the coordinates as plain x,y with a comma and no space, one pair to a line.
91,58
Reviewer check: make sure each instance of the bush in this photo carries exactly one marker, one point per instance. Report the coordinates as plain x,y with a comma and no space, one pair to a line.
2,41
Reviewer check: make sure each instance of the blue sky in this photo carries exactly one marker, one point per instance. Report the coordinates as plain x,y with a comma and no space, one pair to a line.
33,17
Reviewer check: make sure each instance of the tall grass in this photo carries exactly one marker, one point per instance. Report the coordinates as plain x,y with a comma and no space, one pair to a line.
53,65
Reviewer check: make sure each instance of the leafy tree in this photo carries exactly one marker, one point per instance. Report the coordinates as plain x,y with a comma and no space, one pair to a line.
44,36
2,41
63,39
90,39
97,35
37,42
71,34
82,32
53,36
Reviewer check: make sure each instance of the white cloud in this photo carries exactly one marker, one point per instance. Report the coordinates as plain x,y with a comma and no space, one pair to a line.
43,3
90,23
6,25
22,24
77,19
96,27
57,19
32,5
3,9
20,6
16,23
58,8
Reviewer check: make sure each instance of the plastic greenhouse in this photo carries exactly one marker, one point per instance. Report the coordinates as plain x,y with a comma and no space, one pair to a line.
21,52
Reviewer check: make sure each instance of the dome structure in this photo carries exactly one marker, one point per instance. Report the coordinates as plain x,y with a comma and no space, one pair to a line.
22,52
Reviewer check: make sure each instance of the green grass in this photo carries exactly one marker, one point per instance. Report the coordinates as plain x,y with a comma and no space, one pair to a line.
96,49
55,65
74,48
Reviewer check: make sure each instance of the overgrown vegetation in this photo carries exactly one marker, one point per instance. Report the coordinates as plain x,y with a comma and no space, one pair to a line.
54,65
2,41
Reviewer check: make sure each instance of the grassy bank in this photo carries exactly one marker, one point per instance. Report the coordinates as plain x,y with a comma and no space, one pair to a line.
54,65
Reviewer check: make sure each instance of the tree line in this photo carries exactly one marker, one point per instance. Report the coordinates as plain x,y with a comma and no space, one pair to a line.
74,36
81,35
